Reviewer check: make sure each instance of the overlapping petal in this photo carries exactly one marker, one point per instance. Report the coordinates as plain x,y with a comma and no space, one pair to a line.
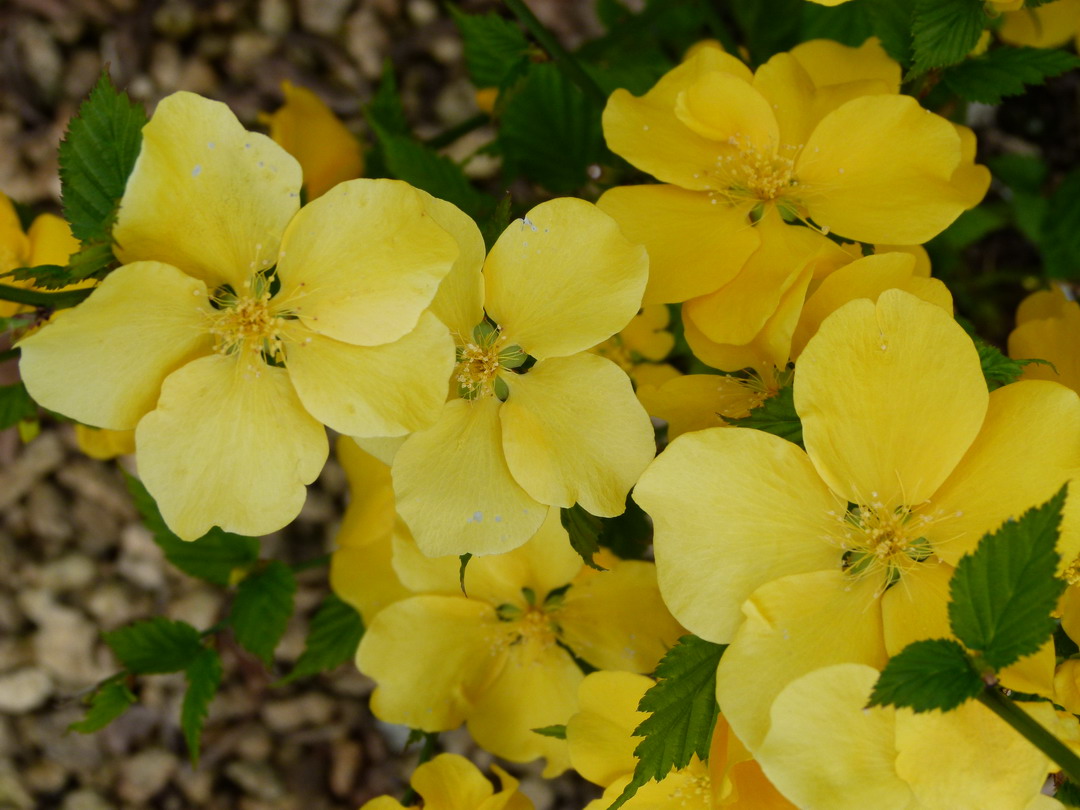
600,735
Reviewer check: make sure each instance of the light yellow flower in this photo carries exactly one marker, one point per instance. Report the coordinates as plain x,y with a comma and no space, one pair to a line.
239,326
516,439
451,782
104,444
757,546
47,241
499,658
1048,328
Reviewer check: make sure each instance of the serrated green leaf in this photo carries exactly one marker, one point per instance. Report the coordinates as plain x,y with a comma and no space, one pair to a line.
386,108
558,732
944,31
203,677
550,131
332,639
1061,229
997,368
1005,72
891,20
217,557
261,609
494,46
15,405
584,531
110,700
683,710
1002,594
96,156
925,675
45,276
155,645
776,415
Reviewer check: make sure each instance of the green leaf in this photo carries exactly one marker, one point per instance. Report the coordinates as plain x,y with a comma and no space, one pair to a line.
683,710
997,368
550,132
584,530
261,609
386,108
971,226
945,31
558,732
770,26
494,46
1068,793
203,677
96,156
1061,229
15,405
1019,172
935,673
110,700
1006,72
155,645
850,23
332,639
218,556
891,21
1002,594
45,276
776,415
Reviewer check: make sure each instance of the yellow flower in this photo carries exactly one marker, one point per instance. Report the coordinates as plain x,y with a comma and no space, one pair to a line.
498,658
451,782
1048,328
516,439
1047,26
728,144
48,241
645,341
239,326
309,131
843,553
104,444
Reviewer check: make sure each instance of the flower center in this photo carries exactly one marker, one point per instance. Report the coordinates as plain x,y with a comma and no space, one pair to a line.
480,360
883,541
248,323
747,172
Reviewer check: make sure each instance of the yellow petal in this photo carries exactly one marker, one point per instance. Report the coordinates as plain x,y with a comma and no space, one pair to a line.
1028,447
51,241
563,278
828,62
1033,674
574,432
790,94
386,390
309,131
793,626
431,657
14,245
104,444
698,401
917,607
891,396
451,782
383,803
459,303
861,179
723,107
732,509
824,749
422,574
363,261
1047,26
1050,303
229,446
1067,685
509,798
1070,611
616,620
83,366
206,195
694,245
1053,338
454,489
600,735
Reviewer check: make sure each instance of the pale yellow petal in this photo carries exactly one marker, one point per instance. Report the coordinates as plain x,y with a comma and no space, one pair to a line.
698,401
732,509
872,388
600,735
14,244
363,261
1047,26
917,607
459,303
51,241
828,62
422,574
104,444
363,576
574,432
695,246
563,278
454,489
1032,674
451,782
206,195
229,446
789,92
386,390
1053,338
1067,685
84,365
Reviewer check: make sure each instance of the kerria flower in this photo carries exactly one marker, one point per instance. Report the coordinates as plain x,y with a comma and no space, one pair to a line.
238,326
518,437
48,240
640,346
798,137
501,658
1050,25
843,552
451,782
1048,328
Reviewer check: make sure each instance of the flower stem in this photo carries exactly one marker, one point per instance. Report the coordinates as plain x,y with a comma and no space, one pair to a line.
570,66
38,298
1032,730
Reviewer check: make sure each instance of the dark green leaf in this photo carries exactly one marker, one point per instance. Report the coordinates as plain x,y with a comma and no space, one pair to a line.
1068,793
46,276
15,405
849,23
945,31
155,645
1006,71
891,20
494,46
558,732
385,108
92,261
1019,172
261,609
628,535
769,26
776,415
96,156
493,225
1061,229
332,639
971,226
218,557
1002,594
683,710
928,674
998,369
584,530
110,700
203,678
